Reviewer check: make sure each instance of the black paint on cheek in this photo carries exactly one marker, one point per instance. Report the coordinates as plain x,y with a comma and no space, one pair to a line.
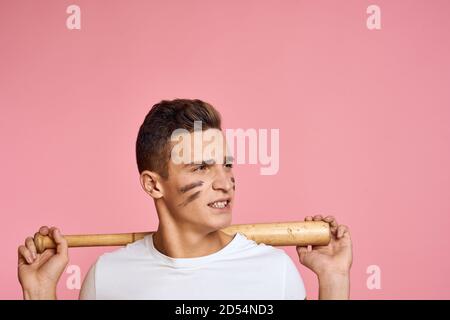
234,184
191,186
191,198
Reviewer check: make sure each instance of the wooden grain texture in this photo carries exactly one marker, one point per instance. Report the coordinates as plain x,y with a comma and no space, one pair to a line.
302,233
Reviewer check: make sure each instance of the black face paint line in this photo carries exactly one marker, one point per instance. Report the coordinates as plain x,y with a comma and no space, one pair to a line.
191,186
234,184
191,198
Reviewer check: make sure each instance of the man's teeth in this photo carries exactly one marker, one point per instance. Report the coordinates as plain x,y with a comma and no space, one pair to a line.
219,204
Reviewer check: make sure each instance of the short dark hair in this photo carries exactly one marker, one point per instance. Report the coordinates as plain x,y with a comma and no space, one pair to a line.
152,144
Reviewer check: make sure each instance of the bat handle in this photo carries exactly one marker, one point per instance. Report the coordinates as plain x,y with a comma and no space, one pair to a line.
88,240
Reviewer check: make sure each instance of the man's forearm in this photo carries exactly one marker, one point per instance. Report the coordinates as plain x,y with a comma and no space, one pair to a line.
334,286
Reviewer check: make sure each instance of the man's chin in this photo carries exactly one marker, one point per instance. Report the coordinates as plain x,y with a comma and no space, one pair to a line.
222,220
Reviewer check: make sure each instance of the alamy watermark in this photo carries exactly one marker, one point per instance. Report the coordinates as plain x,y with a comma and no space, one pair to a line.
210,144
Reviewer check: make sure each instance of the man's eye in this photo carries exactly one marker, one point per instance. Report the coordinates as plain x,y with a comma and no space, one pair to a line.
229,165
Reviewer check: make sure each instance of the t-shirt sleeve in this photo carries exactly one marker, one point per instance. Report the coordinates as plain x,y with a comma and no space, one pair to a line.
87,291
294,288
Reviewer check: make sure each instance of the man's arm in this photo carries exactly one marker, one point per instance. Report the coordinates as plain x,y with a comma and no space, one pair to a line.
334,287
330,263
39,273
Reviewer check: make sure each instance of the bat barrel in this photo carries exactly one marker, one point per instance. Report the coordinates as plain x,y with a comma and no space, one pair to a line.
316,233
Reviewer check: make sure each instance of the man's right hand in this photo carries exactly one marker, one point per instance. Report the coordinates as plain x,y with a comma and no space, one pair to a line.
39,273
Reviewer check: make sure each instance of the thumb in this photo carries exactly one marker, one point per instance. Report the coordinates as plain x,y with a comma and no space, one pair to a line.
302,252
61,244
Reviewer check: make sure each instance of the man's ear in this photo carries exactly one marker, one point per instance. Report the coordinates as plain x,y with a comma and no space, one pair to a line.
150,182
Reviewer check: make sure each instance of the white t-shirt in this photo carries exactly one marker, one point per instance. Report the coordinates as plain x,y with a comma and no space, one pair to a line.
242,269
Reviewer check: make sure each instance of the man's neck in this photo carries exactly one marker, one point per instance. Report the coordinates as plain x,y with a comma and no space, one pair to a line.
184,243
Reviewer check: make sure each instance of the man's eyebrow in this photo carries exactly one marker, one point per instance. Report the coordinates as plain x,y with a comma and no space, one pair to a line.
188,164
208,162
191,164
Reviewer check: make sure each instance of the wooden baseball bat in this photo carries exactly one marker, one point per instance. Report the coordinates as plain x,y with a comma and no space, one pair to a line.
316,233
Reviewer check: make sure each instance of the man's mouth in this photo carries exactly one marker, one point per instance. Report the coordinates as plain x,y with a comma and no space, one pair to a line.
220,204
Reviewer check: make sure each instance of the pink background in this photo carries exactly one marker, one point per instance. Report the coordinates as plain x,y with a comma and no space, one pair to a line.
364,119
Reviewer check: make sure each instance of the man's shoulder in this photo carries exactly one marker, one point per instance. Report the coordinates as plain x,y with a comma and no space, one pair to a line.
134,249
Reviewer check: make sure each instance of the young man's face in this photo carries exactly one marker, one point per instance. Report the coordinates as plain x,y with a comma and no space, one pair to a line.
200,192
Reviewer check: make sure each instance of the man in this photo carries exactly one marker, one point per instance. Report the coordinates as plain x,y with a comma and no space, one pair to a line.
188,257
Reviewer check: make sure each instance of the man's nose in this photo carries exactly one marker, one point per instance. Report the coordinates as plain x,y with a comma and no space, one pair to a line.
222,179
